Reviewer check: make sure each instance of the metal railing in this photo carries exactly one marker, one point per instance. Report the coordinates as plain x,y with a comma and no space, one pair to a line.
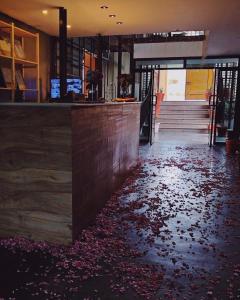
146,116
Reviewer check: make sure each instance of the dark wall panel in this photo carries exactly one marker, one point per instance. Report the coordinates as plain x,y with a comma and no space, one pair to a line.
105,148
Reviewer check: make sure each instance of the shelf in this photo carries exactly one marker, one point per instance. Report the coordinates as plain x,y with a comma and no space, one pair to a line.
28,65
5,88
29,90
5,56
5,27
23,33
23,90
24,61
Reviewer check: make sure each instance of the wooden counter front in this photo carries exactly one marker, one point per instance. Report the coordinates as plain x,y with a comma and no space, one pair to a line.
59,164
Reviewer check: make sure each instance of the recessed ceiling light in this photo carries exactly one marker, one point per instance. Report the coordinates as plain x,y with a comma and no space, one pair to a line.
45,12
112,16
119,23
104,7
69,26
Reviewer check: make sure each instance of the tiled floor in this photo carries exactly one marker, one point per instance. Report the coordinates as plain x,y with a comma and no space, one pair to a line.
171,232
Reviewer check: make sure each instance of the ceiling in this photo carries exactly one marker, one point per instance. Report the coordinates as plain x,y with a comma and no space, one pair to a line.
220,17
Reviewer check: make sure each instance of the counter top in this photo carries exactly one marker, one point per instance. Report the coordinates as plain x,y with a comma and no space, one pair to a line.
85,104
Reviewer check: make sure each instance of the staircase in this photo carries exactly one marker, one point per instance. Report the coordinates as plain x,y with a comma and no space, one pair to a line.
183,116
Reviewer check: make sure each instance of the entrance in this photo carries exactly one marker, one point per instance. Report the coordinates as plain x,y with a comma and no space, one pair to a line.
181,85
189,109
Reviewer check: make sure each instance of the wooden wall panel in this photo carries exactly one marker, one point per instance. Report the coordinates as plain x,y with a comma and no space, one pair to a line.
105,148
36,173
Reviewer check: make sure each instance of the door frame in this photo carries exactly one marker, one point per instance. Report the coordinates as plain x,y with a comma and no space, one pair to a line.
217,98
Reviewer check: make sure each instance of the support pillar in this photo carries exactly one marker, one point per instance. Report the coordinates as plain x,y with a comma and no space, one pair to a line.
99,63
119,63
63,51
132,68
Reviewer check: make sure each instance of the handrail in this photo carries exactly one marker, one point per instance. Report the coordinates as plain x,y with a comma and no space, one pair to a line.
145,107
212,107
210,98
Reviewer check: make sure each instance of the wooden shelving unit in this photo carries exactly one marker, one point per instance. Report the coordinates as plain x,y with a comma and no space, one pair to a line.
27,65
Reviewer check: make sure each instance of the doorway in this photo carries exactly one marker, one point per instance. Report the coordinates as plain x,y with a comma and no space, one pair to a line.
184,84
199,83
175,85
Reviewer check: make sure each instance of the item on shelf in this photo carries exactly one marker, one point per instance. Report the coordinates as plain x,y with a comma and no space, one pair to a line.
5,47
19,52
6,77
20,80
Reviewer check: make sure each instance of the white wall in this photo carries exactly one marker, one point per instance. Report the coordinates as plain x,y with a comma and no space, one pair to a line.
110,70
170,49
125,63
176,85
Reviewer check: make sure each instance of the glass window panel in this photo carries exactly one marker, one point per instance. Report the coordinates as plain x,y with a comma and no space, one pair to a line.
212,62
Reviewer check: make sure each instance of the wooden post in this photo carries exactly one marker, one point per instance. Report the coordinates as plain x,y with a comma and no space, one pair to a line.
119,63
63,51
99,63
132,68
39,92
13,64
53,54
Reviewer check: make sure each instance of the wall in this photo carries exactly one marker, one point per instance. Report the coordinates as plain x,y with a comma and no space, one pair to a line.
170,49
103,153
125,63
176,84
111,75
163,81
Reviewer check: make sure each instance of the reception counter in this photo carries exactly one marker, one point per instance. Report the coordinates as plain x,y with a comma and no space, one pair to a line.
60,163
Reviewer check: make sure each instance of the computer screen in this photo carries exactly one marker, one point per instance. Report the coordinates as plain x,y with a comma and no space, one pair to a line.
73,85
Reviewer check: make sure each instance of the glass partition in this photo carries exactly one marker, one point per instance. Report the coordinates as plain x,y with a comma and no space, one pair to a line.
160,64
212,63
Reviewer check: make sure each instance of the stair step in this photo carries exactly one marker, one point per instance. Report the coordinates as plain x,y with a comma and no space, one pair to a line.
182,126
180,111
183,130
184,103
183,109
183,116
183,121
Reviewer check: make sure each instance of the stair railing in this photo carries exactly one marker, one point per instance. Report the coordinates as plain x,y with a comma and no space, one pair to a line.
146,116
146,106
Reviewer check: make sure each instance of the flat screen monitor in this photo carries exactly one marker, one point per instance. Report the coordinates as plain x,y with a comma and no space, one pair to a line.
73,85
